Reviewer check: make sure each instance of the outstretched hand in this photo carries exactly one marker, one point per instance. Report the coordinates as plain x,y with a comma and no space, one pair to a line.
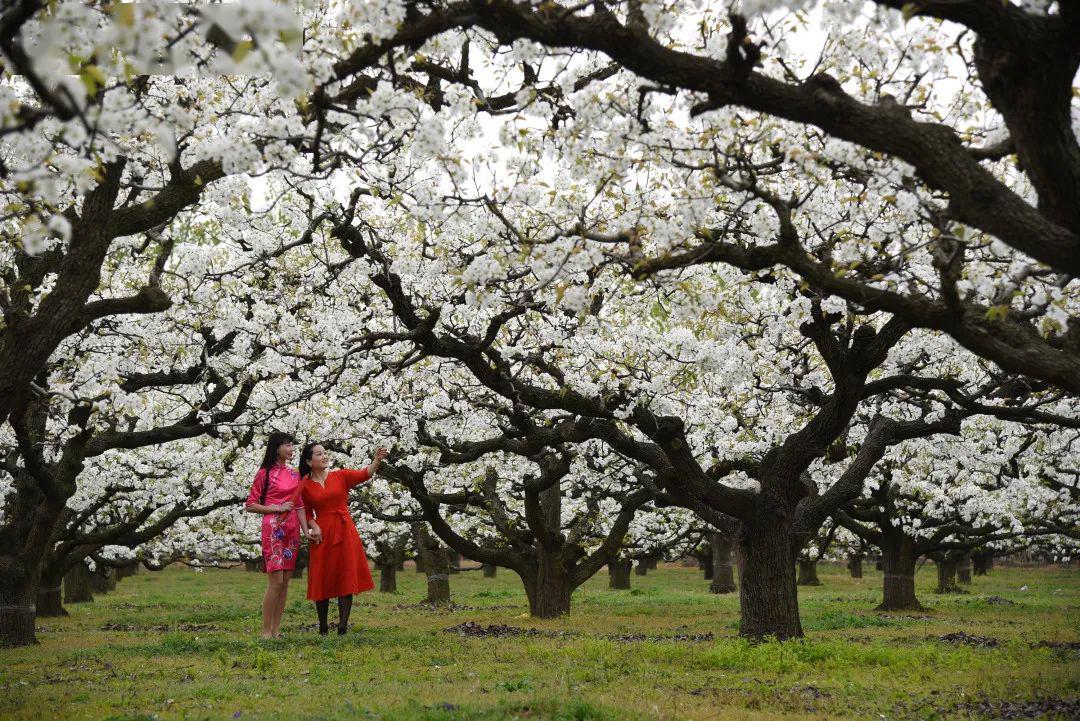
376,461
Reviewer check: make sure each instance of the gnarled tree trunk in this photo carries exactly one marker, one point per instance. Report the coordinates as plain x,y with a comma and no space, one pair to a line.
768,597
898,558
619,573
723,572
982,563
963,570
387,578
946,576
77,584
18,595
550,586
808,573
49,597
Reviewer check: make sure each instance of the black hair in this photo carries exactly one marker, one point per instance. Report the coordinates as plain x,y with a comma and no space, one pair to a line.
305,458
273,442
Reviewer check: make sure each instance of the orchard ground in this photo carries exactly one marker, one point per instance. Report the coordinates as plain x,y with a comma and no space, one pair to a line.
179,644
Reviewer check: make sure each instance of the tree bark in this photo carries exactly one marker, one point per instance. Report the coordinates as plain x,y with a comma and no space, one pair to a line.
490,570
808,573
963,570
946,576
388,578
723,572
251,565
550,588
455,561
49,598
619,573
77,584
854,565
982,563
18,592
768,596
641,568
898,558
101,581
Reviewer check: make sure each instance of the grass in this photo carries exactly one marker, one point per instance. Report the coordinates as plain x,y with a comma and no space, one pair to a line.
188,649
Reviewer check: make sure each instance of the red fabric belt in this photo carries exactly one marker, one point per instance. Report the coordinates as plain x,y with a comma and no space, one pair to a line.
342,517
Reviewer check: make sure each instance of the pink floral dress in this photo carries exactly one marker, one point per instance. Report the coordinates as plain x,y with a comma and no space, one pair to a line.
280,531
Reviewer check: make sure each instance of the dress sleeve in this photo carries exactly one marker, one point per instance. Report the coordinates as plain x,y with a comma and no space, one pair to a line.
302,502
354,478
256,488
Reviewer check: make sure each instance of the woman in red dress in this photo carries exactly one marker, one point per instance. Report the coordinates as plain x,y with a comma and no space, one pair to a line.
337,566
275,495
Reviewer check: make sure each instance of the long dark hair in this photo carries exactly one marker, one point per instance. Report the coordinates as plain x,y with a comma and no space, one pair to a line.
273,442
305,458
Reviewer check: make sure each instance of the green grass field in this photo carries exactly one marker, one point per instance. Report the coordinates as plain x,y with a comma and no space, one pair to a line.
183,645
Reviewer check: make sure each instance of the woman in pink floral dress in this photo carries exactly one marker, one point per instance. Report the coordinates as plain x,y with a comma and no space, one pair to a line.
275,494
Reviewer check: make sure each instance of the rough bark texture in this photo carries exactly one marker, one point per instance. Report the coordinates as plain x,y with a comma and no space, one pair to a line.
49,597
946,576
982,563
77,584
808,573
489,570
18,593
963,570
102,581
723,571
387,578
550,588
619,573
768,597
435,559
854,565
455,561
898,558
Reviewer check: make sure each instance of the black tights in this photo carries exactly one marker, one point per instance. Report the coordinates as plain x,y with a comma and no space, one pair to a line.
344,605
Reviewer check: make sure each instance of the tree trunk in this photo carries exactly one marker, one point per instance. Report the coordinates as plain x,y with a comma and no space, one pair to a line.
419,561
652,562
77,584
768,596
435,559
808,573
619,573
641,568
99,581
854,565
963,570
401,565
982,563
438,574
550,589
489,570
251,565
18,591
723,573
455,561
946,576
705,563
49,599
388,578
898,558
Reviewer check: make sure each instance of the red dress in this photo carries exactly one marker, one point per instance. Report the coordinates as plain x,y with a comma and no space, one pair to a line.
338,566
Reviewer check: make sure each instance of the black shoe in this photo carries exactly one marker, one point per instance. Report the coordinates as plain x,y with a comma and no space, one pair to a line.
323,630
341,630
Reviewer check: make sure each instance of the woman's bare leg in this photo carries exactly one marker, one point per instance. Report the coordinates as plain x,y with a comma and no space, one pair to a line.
270,602
283,593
